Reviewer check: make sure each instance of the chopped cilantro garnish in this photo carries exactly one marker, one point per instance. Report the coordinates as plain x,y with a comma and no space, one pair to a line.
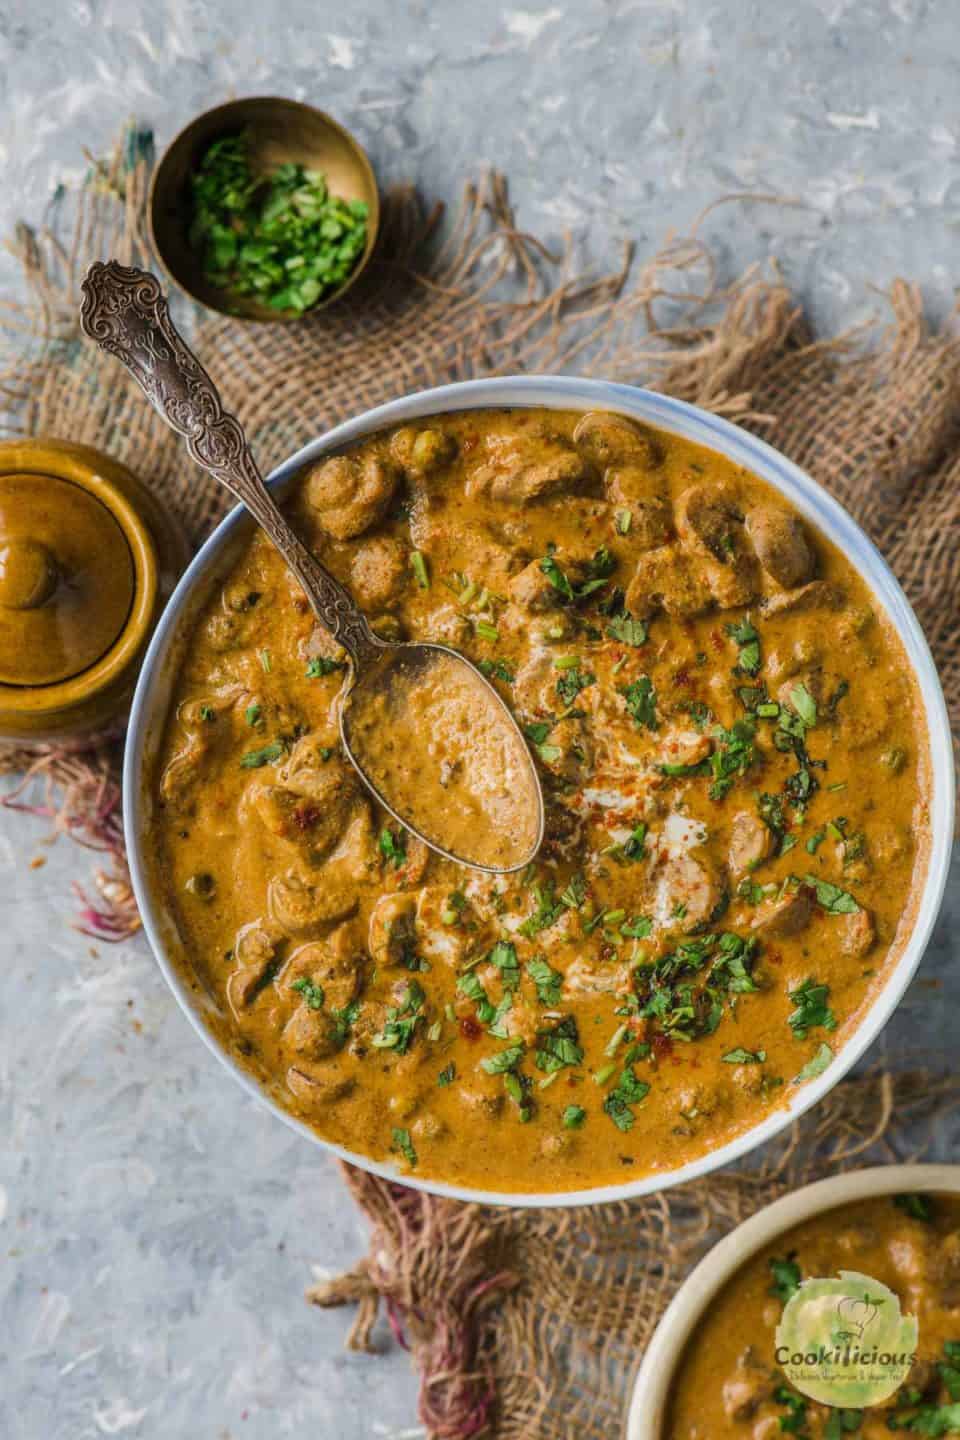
572,681
403,1143
504,957
208,714
267,756
547,980
641,701
393,846
573,1117
253,714
447,1075
506,1060
311,992
558,1047
786,1278
320,665
418,564
918,1207
739,1056
628,631
629,1091
498,670
748,643
831,898
812,1009
816,1065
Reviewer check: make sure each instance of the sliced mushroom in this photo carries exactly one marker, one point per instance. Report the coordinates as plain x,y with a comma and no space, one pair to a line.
303,909
750,843
518,472
605,439
786,916
668,579
710,524
349,493
857,933
815,595
422,452
392,934
780,541
318,1086
379,572
336,975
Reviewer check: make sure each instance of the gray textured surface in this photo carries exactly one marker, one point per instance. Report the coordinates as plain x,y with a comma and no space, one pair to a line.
156,1227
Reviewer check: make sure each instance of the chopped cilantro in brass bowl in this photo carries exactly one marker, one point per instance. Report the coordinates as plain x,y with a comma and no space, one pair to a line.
265,209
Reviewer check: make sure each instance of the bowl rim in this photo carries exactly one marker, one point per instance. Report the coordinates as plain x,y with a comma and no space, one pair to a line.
650,1389
224,110
678,417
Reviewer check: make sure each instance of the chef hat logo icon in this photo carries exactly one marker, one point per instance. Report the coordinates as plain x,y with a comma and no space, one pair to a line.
855,1315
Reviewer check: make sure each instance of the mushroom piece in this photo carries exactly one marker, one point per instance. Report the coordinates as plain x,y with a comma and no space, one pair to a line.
815,595
421,452
349,493
750,843
857,933
710,524
637,491
688,892
668,579
254,950
786,916
311,1034
781,545
318,1086
520,470
532,589
605,439
337,976
379,572
392,934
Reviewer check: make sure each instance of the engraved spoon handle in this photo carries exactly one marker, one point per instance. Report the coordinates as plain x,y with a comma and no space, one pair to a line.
126,313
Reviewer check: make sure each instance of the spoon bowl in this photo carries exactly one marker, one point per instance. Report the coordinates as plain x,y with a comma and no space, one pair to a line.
403,684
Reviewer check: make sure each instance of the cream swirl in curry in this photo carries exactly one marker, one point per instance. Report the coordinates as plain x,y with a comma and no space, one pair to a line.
735,765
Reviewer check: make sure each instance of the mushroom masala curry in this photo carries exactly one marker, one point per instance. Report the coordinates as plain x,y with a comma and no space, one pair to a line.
733,753
728,1385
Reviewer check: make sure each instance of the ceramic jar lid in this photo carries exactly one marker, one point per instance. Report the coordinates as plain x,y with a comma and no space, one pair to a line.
87,556
66,579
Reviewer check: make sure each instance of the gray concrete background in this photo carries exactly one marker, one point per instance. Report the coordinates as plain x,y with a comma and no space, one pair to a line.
156,1228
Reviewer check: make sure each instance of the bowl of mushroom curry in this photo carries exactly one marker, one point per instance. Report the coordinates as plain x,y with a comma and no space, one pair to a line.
747,769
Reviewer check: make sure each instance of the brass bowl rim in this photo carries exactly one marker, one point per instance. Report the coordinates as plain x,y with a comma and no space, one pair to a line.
81,469
373,219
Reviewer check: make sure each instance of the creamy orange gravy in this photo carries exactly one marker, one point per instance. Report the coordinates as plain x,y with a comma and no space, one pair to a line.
728,1385
437,746
735,768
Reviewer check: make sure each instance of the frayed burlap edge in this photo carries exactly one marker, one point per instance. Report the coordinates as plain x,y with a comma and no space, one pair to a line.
528,1325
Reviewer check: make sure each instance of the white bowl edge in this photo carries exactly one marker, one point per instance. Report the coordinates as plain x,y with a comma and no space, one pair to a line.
562,392
651,1387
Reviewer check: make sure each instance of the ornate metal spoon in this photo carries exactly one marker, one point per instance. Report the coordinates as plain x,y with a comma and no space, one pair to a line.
498,806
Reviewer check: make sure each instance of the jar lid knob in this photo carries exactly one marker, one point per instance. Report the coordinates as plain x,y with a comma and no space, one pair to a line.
28,573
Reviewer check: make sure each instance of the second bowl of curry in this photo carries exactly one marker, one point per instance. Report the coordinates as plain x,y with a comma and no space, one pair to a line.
747,769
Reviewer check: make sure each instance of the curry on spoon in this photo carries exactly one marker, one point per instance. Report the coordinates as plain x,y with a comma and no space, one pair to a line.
426,731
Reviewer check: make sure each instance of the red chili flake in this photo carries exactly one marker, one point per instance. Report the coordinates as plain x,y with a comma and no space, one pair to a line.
607,952
681,677
306,816
470,1028
774,957
662,1046
717,640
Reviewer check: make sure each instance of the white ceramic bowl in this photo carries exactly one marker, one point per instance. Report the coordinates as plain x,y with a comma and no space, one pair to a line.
651,1388
151,704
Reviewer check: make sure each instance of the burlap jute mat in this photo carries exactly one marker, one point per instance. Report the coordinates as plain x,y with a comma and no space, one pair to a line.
522,1324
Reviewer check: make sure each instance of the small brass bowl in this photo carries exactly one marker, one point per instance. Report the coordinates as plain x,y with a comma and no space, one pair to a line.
280,131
